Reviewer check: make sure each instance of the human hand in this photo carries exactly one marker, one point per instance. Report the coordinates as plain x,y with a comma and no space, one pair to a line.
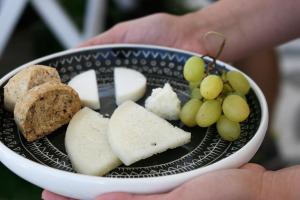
158,29
230,184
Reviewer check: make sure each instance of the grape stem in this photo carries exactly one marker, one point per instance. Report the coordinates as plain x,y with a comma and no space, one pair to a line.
211,65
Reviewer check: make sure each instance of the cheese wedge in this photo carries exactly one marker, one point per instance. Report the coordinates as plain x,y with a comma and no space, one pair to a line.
135,133
129,84
85,84
87,144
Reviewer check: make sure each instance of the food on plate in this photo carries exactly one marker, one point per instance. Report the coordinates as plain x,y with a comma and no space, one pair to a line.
189,111
194,85
238,82
87,146
211,86
209,113
26,79
85,84
223,95
45,108
135,133
227,129
164,102
237,93
194,69
226,87
96,145
235,108
129,84
195,93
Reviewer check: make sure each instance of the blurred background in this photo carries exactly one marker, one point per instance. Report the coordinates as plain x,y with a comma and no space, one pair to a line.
32,29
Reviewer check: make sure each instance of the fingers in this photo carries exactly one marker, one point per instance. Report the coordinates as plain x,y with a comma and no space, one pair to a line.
114,35
126,196
104,38
253,167
46,195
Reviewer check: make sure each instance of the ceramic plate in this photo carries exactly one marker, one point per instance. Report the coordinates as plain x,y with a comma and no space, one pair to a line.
46,164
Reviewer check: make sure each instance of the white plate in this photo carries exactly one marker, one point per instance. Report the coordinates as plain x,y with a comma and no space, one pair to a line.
45,164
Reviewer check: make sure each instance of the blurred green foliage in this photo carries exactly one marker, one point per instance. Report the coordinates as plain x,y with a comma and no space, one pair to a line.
14,188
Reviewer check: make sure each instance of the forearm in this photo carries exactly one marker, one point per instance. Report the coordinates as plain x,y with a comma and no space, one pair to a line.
249,26
281,184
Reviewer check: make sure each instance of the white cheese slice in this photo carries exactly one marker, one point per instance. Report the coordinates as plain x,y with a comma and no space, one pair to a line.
135,133
129,84
87,144
85,84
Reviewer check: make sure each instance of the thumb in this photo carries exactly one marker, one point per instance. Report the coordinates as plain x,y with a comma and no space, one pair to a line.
253,167
114,35
47,195
127,196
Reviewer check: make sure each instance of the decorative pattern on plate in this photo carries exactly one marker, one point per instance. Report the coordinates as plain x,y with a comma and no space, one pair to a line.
159,66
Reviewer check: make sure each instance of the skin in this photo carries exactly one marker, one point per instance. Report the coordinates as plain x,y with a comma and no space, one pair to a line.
250,27
267,78
141,31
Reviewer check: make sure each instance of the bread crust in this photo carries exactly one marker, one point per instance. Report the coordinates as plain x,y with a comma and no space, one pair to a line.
26,79
45,108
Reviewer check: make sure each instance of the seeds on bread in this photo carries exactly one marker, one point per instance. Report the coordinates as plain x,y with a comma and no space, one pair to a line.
45,108
26,79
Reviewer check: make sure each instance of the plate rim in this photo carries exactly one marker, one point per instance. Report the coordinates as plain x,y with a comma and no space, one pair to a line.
243,155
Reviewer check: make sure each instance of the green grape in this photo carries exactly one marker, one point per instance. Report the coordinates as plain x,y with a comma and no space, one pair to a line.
209,113
240,94
194,68
193,85
196,93
188,112
223,75
211,86
238,82
227,129
220,98
235,108
227,88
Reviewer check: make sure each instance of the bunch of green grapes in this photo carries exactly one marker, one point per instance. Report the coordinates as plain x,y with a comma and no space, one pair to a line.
215,99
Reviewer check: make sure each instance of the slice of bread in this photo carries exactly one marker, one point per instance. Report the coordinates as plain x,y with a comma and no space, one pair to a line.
26,79
136,134
87,144
45,108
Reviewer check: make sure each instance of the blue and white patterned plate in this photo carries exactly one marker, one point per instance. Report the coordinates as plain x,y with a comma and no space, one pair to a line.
159,65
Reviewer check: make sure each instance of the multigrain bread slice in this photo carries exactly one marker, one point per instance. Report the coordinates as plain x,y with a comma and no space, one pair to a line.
87,144
135,133
26,79
45,108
